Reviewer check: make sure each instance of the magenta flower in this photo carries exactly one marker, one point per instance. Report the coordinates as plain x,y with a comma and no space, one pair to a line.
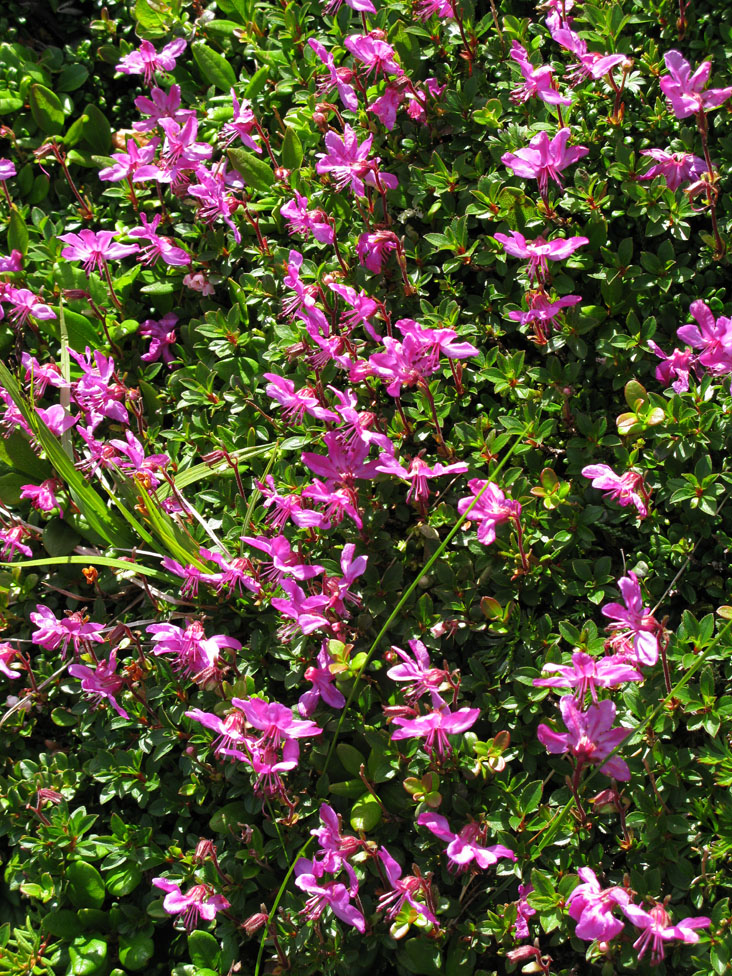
157,247
542,309
676,168
195,654
7,169
588,673
592,64
656,929
296,403
543,158
98,393
303,221
418,472
591,907
375,53
404,889
336,502
24,304
321,679
101,682
362,6
74,628
94,249
126,164
275,721
162,336
492,508
626,489
160,105
441,342
416,670
589,738
439,8
635,621
348,162
524,911
373,249
712,336
146,60
435,726
462,848
7,654
235,573
676,367
267,762
198,903
283,560
538,82
684,90
215,201
12,263
133,462
539,251
333,894
343,464
12,542
338,78
42,496
242,124
230,729
386,105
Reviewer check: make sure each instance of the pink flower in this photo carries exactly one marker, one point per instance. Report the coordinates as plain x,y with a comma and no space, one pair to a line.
162,336
626,489
12,263
677,366
268,762
635,621
541,309
275,721
385,106
7,653
242,124
375,53
338,78
492,508
539,251
684,90
146,60
12,542
712,336
24,304
126,164
348,161
157,247
213,199
74,628
589,738
656,929
440,8
416,670
94,249
321,678
333,894
592,64
283,560
296,403
42,496
404,889
135,464
195,654
372,249
199,282
101,682
304,221
538,82
343,464
588,673
7,169
543,158
524,911
362,6
591,907
230,728
98,393
462,848
198,903
418,472
435,726
676,168
160,105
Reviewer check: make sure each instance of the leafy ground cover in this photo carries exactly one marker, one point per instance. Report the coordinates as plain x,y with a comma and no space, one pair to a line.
363,481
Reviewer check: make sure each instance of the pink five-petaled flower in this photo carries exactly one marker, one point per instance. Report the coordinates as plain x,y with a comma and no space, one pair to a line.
126,164
7,169
146,60
160,105
363,6
101,682
306,612
543,158
418,472
267,762
592,64
7,653
462,848
42,496
74,628
24,304
199,902
11,539
676,168
441,8
321,678
303,221
162,336
539,251
588,673
275,721
404,889
375,53
230,728
589,736
591,907
338,78
242,124
296,403
675,366
656,929
538,82
348,162
283,560
524,911
372,249
332,893
435,726
635,621
626,489
157,247
492,508
712,336
423,678
542,309
94,249
195,654
684,90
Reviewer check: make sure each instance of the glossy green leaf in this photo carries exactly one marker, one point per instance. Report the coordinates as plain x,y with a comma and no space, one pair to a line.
85,885
214,67
46,110
255,172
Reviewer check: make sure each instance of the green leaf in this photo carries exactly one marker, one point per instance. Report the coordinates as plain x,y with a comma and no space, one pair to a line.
365,813
81,330
291,149
90,560
72,77
135,951
59,539
46,109
87,956
422,957
9,102
152,21
17,232
16,452
62,923
123,880
256,173
351,759
86,887
229,817
10,488
204,949
214,67
97,130
257,83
